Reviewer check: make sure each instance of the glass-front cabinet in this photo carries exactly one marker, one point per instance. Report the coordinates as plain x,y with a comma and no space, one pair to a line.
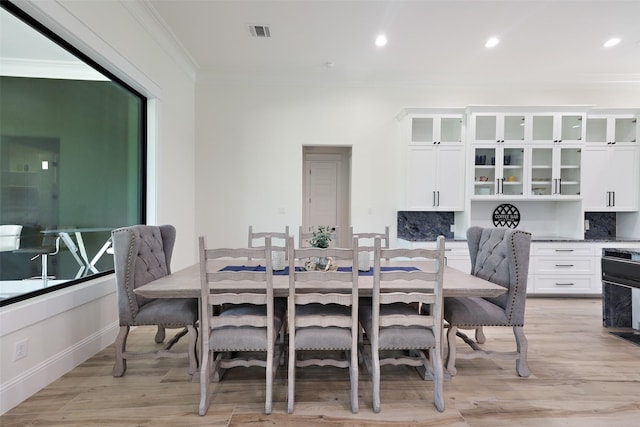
612,129
555,172
499,171
438,129
557,127
499,128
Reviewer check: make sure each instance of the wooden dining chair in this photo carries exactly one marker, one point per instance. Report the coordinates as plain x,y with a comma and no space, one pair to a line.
323,315
366,240
393,322
501,256
304,238
256,239
249,324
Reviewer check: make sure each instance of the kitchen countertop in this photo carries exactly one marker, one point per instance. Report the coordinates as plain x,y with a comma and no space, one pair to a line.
554,239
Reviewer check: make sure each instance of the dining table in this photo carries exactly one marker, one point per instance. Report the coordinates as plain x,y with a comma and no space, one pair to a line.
186,283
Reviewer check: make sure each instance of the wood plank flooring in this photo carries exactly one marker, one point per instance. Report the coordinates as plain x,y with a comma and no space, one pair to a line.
580,376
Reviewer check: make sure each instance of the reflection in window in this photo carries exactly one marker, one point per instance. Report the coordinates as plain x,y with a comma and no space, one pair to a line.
71,161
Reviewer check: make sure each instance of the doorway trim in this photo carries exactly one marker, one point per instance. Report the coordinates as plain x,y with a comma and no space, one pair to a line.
341,155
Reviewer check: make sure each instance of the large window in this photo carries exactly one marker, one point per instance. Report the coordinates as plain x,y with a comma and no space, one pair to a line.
72,152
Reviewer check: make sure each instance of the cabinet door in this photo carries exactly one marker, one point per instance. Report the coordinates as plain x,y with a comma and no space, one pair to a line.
625,130
421,177
449,130
486,172
623,177
542,177
567,171
610,178
513,172
595,181
450,170
423,130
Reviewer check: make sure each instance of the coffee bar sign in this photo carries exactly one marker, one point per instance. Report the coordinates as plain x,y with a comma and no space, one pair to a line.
506,215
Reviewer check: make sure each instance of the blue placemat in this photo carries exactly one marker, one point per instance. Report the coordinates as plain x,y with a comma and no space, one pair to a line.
285,272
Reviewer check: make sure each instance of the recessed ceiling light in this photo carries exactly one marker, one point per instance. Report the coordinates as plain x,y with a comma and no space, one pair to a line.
381,40
492,42
612,42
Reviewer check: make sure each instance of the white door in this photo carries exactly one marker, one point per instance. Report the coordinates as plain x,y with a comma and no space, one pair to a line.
322,193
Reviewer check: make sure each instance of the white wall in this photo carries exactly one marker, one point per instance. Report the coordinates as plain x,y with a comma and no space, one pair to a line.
250,137
65,328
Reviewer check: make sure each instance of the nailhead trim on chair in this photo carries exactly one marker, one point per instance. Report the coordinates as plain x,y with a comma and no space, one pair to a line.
517,273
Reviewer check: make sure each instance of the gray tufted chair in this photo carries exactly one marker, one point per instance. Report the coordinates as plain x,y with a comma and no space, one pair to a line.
501,256
142,253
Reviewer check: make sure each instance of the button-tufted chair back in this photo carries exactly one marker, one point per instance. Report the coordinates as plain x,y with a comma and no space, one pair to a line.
501,256
142,253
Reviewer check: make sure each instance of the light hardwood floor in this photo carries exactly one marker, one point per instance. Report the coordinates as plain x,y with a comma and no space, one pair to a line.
580,376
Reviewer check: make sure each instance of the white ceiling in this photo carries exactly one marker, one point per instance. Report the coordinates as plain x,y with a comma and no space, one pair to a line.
430,41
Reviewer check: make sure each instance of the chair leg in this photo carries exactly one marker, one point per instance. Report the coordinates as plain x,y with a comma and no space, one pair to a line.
480,338
205,381
522,367
269,382
291,375
438,378
193,349
353,376
120,345
375,378
451,350
160,334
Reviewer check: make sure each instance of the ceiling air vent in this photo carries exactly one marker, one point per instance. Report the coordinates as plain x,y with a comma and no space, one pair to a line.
259,31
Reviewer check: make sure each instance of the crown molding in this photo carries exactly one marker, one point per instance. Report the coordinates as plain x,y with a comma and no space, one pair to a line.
146,15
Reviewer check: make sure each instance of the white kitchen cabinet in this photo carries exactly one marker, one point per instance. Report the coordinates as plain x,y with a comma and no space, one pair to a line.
611,129
435,178
436,129
563,268
500,128
498,171
555,171
610,178
435,162
557,128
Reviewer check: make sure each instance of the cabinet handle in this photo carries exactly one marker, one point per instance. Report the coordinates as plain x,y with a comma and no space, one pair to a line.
565,284
564,250
438,192
564,265
434,199
613,198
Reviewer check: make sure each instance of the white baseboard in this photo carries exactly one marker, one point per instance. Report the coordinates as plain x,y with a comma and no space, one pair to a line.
19,388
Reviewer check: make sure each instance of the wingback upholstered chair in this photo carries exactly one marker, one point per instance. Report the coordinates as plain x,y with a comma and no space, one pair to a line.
142,253
501,256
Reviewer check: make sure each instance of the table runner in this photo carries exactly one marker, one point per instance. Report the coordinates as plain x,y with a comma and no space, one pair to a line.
285,272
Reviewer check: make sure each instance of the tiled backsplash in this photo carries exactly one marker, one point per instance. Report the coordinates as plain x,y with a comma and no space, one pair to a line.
602,225
418,226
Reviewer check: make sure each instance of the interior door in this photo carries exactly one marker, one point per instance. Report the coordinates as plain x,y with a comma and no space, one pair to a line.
322,193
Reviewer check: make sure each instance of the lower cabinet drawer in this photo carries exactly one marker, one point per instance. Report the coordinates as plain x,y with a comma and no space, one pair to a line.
562,266
559,285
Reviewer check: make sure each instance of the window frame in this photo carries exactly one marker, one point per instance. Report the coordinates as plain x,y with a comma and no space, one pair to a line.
142,146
